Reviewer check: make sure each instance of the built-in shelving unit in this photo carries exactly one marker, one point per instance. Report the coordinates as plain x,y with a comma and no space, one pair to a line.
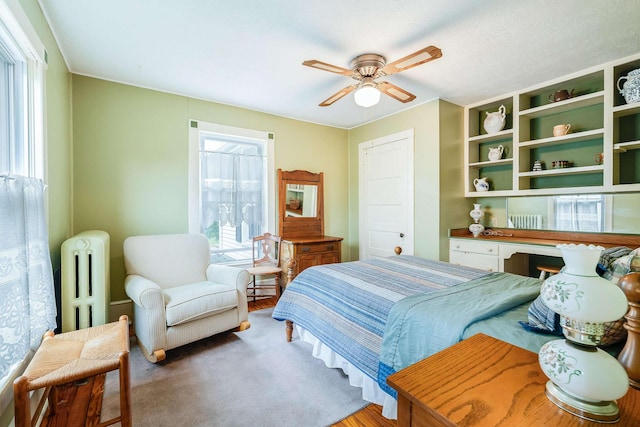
601,150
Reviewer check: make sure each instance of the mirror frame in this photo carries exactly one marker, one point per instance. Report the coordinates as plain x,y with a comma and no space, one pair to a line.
289,226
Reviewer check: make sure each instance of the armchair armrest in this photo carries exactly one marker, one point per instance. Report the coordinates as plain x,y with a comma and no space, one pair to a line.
228,275
149,312
143,292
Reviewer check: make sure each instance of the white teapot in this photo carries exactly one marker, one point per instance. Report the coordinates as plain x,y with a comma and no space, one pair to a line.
481,184
495,153
494,122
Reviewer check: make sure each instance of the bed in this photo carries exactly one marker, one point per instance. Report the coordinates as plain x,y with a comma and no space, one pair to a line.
372,318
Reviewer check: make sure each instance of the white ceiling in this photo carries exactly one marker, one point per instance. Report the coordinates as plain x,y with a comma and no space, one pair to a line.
248,53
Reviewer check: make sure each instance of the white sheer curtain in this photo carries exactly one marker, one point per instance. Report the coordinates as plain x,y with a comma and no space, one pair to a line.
232,193
579,213
27,298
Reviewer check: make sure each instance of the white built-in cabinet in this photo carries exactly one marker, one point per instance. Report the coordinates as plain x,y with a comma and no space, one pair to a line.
601,122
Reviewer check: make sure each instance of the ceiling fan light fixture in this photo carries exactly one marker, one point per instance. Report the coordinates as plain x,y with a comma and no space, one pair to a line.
367,94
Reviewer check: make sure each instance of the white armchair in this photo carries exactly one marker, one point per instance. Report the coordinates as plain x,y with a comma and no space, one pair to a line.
178,296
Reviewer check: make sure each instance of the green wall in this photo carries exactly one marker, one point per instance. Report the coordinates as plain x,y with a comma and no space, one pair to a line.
130,161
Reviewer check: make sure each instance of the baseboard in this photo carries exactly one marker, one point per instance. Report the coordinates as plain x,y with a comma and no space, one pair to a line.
118,308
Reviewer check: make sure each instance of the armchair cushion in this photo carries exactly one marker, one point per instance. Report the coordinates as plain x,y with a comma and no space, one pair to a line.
193,301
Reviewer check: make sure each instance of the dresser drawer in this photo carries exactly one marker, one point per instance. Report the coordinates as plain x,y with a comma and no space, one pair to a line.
473,260
314,248
308,253
473,246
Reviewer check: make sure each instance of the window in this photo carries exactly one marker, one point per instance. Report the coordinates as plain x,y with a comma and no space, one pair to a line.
27,304
231,188
579,213
21,95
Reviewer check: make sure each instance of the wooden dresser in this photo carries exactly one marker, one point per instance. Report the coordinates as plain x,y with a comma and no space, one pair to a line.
483,381
309,251
303,243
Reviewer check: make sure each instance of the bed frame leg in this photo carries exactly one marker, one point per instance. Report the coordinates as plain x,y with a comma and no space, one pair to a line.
289,330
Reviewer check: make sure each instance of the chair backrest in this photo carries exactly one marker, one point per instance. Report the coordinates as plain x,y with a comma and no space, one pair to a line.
266,250
168,259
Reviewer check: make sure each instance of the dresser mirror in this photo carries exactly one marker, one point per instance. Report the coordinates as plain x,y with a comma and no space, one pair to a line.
301,200
300,204
609,213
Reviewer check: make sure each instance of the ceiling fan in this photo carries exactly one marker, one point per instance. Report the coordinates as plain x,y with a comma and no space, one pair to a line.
370,66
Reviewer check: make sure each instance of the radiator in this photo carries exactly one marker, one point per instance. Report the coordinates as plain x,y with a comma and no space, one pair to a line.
526,221
85,280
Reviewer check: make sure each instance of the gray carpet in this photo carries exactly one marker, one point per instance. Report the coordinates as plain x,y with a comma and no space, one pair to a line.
250,378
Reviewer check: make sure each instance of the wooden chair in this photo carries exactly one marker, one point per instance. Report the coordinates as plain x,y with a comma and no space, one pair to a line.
544,269
266,262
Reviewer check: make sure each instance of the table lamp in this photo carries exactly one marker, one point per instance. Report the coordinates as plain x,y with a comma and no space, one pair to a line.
583,379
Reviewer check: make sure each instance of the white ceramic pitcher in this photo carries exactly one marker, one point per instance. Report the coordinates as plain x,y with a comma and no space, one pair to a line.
495,153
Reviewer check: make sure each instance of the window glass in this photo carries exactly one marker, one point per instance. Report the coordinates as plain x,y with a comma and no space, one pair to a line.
232,190
233,198
579,212
13,79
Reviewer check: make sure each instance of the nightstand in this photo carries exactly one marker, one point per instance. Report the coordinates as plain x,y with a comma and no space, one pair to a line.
483,381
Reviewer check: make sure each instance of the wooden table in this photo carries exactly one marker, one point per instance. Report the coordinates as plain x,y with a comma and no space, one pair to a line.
483,381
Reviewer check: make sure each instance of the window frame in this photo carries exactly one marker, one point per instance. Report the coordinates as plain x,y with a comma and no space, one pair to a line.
16,26
195,129
16,29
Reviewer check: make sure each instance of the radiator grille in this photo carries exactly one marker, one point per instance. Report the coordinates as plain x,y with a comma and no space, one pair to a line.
85,280
525,221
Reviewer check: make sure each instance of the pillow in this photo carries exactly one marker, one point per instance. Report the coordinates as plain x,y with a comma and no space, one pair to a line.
542,319
622,266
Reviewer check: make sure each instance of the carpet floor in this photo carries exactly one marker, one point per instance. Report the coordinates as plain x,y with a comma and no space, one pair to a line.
250,378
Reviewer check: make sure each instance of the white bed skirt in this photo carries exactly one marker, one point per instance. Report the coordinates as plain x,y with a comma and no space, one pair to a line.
371,391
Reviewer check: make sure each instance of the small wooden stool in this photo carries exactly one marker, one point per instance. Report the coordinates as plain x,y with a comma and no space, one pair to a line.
544,269
73,364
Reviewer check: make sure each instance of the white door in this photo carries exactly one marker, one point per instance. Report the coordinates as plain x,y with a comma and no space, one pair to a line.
386,195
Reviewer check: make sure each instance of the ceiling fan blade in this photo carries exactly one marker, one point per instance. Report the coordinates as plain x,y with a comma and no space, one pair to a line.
395,92
338,95
417,58
328,67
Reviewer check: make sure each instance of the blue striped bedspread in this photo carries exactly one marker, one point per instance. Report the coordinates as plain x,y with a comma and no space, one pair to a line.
346,305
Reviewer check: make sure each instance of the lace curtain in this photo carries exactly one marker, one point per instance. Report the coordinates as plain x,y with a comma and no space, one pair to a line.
579,213
232,189
27,298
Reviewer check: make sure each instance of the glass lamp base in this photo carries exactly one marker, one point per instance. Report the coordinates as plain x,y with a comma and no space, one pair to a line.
600,412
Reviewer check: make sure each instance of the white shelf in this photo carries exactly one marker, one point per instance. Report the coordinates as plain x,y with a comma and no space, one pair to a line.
528,123
626,110
478,165
623,147
566,105
562,171
489,137
564,139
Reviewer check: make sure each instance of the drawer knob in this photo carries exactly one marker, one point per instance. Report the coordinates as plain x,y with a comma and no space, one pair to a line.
490,250
306,249
330,247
